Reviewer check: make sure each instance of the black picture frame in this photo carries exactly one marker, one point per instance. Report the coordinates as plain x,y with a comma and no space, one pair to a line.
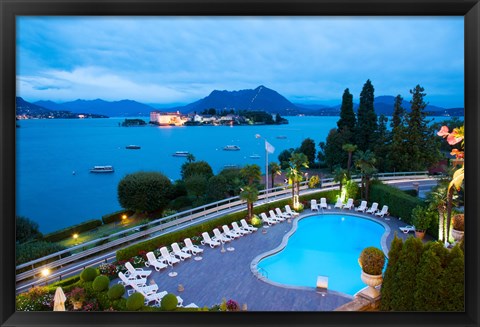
470,9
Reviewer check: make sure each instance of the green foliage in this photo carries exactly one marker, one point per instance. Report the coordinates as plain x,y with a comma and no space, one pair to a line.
352,189
453,281
135,302
258,117
26,252
399,203
144,191
405,279
372,260
251,174
26,229
196,168
284,157
35,299
196,185
88,274
308,148
333,153
347,116
115,216
169,302
217,188
116,291
69,231
314,181
366,119
101,283
387,290
422,217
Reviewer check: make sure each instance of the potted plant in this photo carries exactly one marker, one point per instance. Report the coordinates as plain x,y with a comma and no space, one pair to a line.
372,261
458,227
77,296
421,219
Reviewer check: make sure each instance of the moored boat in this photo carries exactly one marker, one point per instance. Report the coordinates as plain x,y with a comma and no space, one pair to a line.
255,156
181,154
133,147
231,148
102,169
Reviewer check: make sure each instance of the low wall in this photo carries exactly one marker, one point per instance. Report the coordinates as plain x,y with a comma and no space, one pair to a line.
361,303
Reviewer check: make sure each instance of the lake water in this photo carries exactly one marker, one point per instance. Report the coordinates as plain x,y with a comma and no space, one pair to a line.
49,151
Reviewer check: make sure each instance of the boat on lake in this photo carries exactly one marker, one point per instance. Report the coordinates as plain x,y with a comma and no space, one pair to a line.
133,147
254,156
181,154
102,169
231,148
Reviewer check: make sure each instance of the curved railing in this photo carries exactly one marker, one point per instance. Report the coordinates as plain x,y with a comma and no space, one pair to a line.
170,223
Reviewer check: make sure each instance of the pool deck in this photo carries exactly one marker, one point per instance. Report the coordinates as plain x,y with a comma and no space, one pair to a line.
228,275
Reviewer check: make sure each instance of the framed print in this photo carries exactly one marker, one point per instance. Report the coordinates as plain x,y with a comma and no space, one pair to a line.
253,163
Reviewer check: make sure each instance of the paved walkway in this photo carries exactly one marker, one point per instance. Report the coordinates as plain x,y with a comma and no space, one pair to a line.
227,275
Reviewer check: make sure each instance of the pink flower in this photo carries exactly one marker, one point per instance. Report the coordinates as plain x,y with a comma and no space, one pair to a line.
443,131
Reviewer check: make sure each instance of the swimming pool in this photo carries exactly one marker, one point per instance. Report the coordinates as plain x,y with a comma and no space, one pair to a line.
324,245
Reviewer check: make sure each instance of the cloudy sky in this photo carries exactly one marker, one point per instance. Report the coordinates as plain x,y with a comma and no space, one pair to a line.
178,60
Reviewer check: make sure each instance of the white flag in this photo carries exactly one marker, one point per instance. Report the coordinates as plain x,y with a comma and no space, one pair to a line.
269,147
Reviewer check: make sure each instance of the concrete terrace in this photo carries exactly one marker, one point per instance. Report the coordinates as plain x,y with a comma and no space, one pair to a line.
228,275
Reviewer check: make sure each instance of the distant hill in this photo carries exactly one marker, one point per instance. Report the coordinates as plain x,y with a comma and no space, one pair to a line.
26,109
261,98
123,108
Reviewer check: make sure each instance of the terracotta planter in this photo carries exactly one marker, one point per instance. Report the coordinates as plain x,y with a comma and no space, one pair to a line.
457,235
420,234
77,305
372,281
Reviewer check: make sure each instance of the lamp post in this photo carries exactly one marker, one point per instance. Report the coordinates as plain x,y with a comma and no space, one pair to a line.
268,149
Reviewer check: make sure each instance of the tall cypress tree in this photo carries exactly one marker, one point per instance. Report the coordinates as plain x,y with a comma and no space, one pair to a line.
347,116
398,158
366,119
390,273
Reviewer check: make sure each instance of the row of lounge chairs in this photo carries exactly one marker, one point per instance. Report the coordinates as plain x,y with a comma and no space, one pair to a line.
363,207
228,234
278,216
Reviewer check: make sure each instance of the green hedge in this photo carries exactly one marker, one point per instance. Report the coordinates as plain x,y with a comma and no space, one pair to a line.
116,216
399,203
26,252
69,231
167,239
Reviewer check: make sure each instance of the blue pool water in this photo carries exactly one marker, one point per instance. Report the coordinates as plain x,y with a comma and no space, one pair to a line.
324,245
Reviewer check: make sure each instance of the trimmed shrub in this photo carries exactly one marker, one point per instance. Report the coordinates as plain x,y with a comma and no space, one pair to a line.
116,291
101,283
26,252
372,260
453,282
135,302
88,274
69,231
169,302
116,216
390,273
399,203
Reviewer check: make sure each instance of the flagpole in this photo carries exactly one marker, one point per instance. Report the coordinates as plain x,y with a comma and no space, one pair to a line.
266,171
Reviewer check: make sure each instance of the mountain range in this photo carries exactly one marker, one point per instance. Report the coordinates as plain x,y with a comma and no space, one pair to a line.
260,98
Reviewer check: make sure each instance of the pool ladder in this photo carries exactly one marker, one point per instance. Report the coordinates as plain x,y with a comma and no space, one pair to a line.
262,272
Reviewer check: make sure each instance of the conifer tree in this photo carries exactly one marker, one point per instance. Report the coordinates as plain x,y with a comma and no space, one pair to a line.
347,116
453,281
390,273
383,144
366,119
399,147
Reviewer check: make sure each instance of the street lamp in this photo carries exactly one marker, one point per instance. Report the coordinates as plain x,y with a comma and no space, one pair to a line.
268,149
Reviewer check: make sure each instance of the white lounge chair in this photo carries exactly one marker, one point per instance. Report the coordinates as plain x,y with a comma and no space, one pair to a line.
313,205
177,252
171,260
208,241
273,216
407,229
291,212
230,233
124,280
246,226
154,262
220,237
279,213
148,289
239,230
136,272
339,204
382,212
267,220
190,247
362,207
349,204
323,203
373,208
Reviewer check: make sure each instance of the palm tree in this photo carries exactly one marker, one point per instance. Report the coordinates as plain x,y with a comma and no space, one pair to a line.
339,175
252,173
293,176
275,169
350,148
365,162
298,161
438,199
190,158
250,195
